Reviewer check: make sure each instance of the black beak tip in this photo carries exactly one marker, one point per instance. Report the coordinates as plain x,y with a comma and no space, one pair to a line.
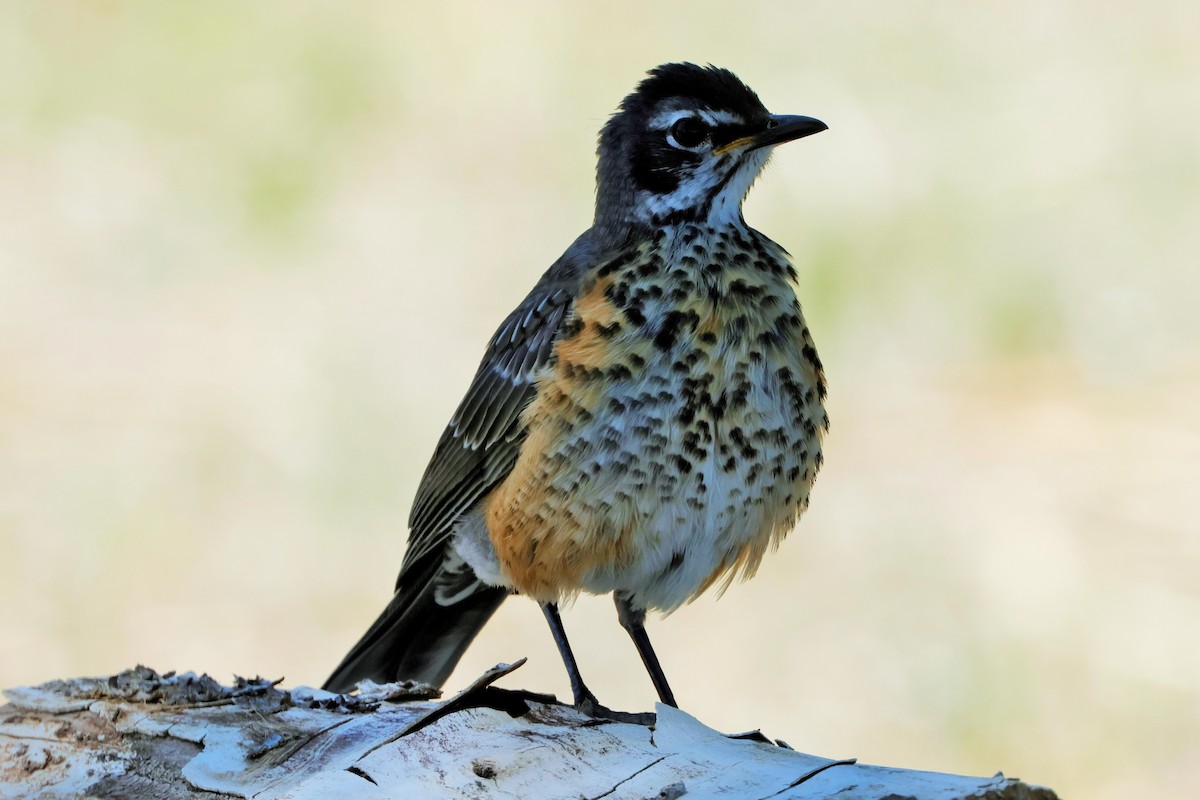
808,125
788,127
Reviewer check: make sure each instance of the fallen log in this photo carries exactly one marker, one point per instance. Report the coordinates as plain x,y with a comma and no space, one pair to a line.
182,736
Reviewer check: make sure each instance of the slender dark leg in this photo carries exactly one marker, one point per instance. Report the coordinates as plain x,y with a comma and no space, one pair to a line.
633,621
584,699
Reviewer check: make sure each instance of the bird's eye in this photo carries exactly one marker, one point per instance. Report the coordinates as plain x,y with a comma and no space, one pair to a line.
688,132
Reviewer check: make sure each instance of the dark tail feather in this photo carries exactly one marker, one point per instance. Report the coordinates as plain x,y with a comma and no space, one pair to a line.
416,638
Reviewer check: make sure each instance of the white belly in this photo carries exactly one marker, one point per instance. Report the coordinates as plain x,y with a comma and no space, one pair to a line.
715,490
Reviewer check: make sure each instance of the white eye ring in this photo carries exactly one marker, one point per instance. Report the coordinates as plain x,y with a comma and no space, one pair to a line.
688,133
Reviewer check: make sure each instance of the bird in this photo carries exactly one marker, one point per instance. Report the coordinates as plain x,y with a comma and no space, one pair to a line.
647,423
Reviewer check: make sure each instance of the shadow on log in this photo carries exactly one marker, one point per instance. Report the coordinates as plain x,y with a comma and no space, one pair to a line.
141,734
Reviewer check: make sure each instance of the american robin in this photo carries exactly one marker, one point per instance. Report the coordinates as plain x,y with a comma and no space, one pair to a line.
647,422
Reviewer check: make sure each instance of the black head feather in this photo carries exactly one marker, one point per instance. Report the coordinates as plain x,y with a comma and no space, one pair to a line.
633,158
709,87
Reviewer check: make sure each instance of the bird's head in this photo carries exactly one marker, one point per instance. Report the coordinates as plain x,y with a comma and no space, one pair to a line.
686,145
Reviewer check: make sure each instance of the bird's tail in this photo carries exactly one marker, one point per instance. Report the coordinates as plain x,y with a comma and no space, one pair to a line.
423,632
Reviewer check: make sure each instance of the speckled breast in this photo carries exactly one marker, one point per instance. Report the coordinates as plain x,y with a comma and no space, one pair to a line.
677,432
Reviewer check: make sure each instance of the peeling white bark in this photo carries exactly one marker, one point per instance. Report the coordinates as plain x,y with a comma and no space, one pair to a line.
140,734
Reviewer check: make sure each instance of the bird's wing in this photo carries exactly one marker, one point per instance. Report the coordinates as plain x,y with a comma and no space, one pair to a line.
480,445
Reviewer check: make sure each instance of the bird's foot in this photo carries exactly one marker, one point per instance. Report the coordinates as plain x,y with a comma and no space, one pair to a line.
585,701
589,705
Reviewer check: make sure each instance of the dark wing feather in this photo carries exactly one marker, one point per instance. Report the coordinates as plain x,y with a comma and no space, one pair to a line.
481,444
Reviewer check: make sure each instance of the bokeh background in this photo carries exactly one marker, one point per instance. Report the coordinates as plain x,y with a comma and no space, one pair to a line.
250,253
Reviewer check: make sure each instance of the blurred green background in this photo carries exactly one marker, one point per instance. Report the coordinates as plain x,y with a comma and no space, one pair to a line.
250,254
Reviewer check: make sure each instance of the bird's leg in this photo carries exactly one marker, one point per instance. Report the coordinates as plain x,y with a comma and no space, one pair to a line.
633,621
584,699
